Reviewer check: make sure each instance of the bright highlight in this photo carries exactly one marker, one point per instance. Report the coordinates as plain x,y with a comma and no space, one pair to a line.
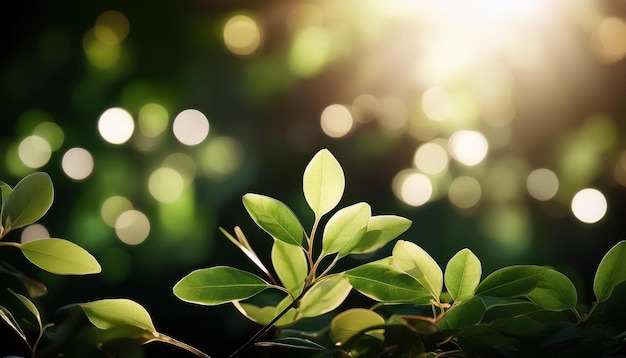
589,205
468,147
116,125
336,121
191,127
77,163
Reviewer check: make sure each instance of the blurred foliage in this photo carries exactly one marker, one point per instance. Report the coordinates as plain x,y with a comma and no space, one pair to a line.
276,81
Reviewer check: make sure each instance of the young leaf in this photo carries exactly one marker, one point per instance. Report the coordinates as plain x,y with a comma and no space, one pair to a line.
217,285
512,281
110,313
30,306
413,260
323,182
325,295
290,265
60,257
611,271
462,275
274,217
466,314
380,230
28,202
387,284
349,323
264,315
554,291
10,320
345,229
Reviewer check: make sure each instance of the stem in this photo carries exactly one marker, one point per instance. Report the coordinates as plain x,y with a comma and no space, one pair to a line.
11,243
169,340
267,327
330,266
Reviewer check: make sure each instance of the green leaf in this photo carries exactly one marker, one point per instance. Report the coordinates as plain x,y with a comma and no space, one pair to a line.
462,275
349,323
34,287
325,295
290,265
413,260
466,314
10,320
380,230
323,183
292,342
5,190
60,257
387,284
512,281
345,229
274,217
265,314
611,271
110,313
555,291
28,202
30,306
217,285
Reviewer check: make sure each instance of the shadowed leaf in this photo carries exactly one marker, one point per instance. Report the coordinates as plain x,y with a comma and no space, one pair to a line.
611,271
28,202
110,313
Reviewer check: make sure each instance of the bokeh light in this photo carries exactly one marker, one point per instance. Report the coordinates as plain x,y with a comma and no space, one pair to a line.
309,52
468,147
51,132
111,28
542,184
34,232
166,184
431,158
412,188
336,121
191,127
221,157
77,163
113,207
589,205
34,151
609,40
437,104
365,108
242,35
132,227
153,120
116,125
464,192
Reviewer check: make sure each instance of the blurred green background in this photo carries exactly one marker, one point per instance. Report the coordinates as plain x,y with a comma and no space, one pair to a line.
493,125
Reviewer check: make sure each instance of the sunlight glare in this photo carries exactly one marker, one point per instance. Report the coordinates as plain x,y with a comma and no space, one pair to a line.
437,104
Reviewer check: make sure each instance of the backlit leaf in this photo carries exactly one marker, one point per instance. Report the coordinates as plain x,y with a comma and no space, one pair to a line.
554,291
387,284
110,313
611,271
511,281
413,260
265,314
345,229
380,230
323,182
348,324
29,305
10,320
462,275
60,257
274,217
28,202
217,285
325,295
290,265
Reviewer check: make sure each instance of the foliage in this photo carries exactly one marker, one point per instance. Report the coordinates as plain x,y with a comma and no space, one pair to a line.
114,319
420,310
